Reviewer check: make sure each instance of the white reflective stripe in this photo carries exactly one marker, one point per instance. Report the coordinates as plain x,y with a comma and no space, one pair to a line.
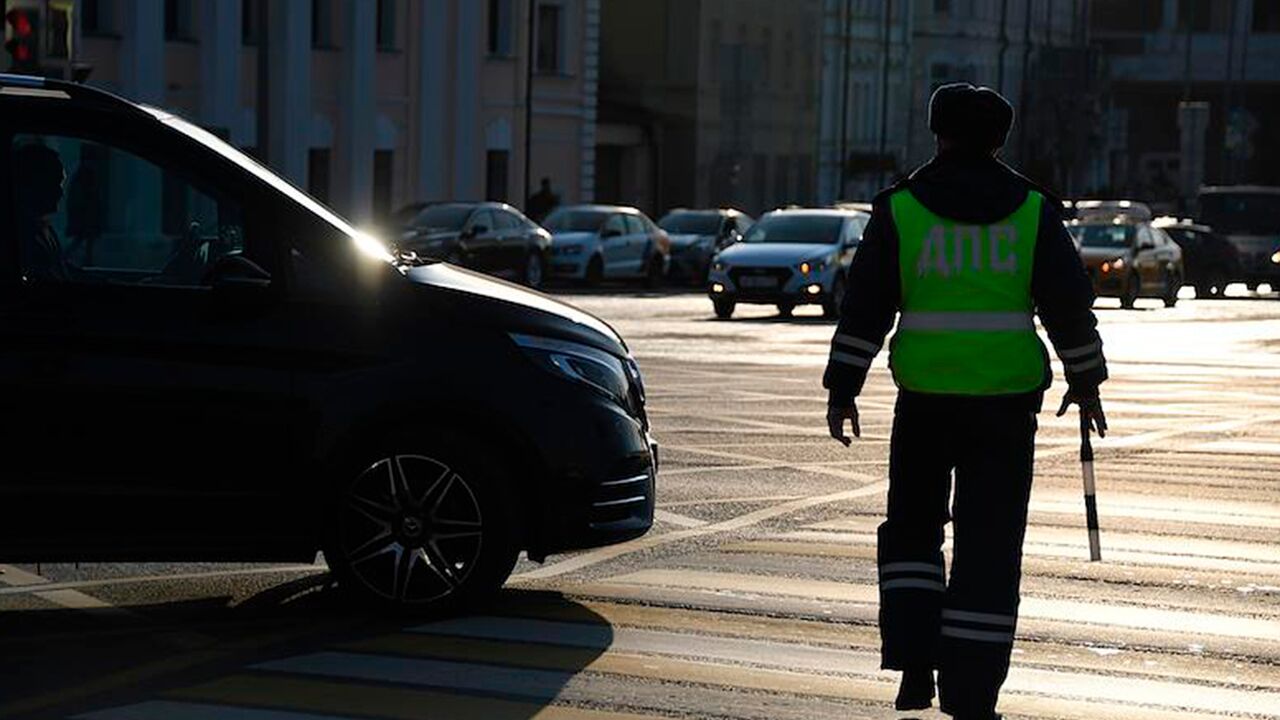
1083,350
1081,367
913,583
979,635
967,321
847,359
978,617
856,343
895,567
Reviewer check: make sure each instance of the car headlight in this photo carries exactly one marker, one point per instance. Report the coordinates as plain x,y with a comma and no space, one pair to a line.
583,364
1275,257
1117,264
809,266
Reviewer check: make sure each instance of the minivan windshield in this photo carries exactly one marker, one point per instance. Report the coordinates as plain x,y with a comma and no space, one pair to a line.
1103,236
576,220
365,243
796,228
691,223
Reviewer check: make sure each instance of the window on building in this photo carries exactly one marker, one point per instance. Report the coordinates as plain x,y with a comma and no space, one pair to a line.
496,163
97,17
550,36
177,20
249,21
383,182
322,24
1266,17
318,173
500,27
386,21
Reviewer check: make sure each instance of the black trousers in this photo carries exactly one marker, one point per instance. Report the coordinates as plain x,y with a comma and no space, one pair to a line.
963,626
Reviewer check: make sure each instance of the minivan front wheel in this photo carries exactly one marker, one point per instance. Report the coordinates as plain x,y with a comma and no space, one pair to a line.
423,531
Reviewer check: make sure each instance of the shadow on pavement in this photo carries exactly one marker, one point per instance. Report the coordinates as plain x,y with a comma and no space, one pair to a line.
296,646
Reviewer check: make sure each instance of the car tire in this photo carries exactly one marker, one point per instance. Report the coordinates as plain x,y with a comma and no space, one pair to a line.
595,272
422,525
786,309
724,308
1132,288
1172,284
835,300
535,270
653,271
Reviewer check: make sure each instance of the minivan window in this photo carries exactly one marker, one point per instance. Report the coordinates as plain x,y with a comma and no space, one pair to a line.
93,213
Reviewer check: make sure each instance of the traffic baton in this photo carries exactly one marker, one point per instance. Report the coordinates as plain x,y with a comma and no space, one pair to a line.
1090,496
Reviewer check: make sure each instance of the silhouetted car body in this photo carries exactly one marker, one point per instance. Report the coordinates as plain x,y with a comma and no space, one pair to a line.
591,243
1249,217
697,235
491,237
237,374
1129,260
1210,261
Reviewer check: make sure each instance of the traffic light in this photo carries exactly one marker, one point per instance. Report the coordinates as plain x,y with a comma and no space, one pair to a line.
23,40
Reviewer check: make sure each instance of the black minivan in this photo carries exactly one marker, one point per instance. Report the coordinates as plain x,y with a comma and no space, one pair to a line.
200,362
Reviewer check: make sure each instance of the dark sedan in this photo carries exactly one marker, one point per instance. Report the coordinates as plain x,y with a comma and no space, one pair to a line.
697,235
491,237
1210,261
202,363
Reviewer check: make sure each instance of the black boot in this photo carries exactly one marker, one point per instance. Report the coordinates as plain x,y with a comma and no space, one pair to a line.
916,690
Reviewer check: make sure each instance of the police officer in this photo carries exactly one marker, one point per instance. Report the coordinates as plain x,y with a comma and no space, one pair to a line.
964,252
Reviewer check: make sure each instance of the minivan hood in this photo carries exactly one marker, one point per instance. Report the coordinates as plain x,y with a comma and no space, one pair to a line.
517,308
774,254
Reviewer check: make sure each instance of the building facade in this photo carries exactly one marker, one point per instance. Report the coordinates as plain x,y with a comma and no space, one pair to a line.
369,104
1221,55
709,103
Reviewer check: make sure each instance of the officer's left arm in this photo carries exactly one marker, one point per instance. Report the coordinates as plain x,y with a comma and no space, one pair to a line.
1064,297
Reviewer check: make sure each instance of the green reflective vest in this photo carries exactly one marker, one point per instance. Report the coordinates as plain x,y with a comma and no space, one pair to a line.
967,324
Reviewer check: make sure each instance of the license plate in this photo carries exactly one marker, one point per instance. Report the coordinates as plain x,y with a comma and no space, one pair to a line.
758,282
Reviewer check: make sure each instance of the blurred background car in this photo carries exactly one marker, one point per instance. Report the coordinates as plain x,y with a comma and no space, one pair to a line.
1248,216
592,243
1129,260
789,258
1210,262
697,235
491,237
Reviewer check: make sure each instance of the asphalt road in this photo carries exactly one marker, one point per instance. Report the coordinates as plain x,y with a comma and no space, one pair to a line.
754,595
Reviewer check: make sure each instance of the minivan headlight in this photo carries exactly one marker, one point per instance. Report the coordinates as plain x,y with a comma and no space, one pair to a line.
580,363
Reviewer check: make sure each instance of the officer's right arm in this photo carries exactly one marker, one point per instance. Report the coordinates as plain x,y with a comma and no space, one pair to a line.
870,305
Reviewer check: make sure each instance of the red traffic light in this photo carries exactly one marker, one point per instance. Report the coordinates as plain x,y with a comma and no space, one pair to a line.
21,22
22,45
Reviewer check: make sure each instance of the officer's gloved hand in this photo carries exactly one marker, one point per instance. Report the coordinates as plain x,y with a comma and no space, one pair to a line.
836,417
1090,410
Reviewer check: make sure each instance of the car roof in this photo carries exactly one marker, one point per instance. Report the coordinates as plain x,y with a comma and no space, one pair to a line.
602,208
819,212
1168,222
727,212
476,204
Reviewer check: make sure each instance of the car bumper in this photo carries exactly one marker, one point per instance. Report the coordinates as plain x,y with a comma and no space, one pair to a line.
574,266
792,287
602,467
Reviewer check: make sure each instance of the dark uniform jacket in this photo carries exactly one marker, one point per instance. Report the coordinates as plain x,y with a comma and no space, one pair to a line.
979,190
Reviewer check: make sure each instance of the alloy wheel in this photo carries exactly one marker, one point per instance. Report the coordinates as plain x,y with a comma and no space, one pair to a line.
411,529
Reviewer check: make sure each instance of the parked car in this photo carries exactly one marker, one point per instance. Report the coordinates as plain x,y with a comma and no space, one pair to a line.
697,235
1210,261
592,243
491,237
1129,260
789,258
202,363
1248,216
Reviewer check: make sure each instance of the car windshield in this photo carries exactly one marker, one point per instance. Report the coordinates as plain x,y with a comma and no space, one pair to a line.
1241,213
576,220
688,223
819,229
443,217
1103,236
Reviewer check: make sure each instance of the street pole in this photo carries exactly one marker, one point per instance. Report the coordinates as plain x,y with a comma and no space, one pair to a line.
528,104
262,13
1223,172
1004,43
1186,63
884,92
1022,92
846,21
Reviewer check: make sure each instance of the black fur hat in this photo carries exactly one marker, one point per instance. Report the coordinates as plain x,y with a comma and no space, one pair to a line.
975,117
